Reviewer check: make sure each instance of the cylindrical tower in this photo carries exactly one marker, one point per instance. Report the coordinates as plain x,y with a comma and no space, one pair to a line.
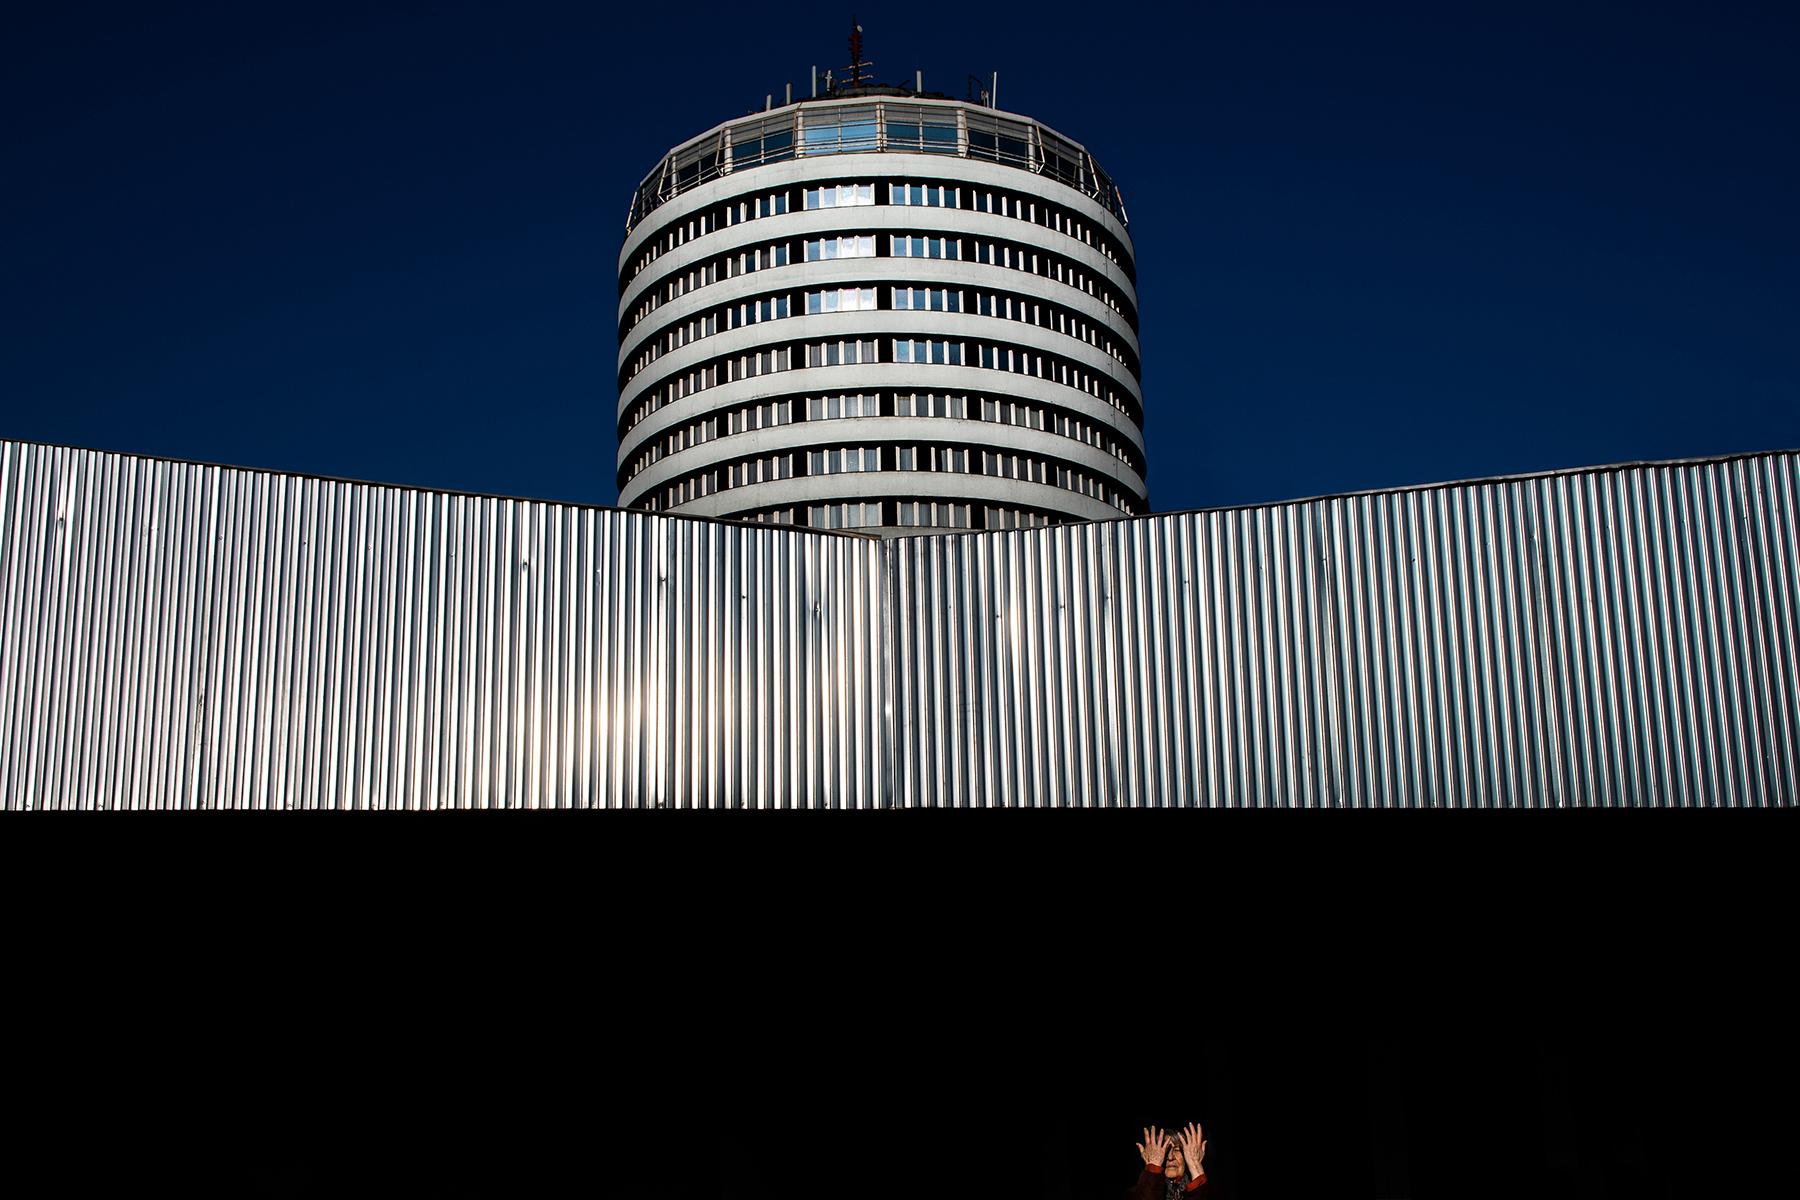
880,310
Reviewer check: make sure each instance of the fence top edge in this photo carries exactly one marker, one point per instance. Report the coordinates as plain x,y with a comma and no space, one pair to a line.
1399,489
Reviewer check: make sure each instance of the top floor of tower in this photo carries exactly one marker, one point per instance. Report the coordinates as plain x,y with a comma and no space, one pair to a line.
880,120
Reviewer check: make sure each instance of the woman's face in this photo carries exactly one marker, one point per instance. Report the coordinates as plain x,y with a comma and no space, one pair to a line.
1172,1164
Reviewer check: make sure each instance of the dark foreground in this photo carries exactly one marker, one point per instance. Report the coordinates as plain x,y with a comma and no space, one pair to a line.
903,1005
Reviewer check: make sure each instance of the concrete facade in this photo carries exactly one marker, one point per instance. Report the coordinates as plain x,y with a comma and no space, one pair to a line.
1039,382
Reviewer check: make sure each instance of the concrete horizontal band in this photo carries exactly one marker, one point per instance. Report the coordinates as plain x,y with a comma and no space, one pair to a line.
883,431
885,323
979,490
880,220
796,279
875,377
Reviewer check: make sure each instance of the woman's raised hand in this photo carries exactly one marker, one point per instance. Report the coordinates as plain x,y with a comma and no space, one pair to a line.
1154,1147
1193,1149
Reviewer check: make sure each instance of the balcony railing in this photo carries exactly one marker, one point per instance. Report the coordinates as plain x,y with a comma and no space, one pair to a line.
812,130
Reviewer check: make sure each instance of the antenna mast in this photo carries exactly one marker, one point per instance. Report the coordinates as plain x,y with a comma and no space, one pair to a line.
856,55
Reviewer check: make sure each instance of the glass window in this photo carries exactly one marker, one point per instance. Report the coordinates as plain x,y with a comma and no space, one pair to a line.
999,141
839,131
826,249
924,247
917,128
841,300
944,353
844,195
928,196
763,141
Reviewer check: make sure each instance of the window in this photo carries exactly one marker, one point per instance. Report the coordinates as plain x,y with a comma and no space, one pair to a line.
834,354
844,195
840,461
697,164
924,247
1003,358
928,300
844,516
1012,518
949,516
999,141
904,458
953,461
1008,412
930,404
842,300
749,366
920,129
831,408
1061,159
839,131
931,196
827,249
772,309
942,353
760,470
766,141
756,260
759,416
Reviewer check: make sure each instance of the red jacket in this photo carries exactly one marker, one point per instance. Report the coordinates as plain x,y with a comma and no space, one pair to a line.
1151,1185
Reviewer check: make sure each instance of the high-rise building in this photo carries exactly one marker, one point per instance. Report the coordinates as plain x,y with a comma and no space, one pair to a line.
880,309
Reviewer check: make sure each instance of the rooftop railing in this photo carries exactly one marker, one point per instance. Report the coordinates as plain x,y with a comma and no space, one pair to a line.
809,130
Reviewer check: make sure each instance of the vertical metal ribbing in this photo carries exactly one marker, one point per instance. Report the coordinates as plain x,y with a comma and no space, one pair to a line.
182,635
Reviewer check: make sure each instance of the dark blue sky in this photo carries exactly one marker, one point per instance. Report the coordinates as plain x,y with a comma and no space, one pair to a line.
1379,244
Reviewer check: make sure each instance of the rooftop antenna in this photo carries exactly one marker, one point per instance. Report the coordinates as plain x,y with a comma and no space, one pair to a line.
978,92
856,55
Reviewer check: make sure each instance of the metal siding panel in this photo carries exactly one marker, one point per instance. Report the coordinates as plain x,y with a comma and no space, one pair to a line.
182,635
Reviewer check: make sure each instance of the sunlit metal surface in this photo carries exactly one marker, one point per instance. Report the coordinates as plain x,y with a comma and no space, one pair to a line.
182,635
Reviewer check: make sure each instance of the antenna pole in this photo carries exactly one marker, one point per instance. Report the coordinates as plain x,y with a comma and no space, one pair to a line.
856,54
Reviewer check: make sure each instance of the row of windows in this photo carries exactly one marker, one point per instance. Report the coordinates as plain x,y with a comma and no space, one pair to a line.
760,470
927,299
902,246
840,354
739,420
841,300
1048,316
915,352
840,460
902,299
778,136
948,354
923,514
937,195
843,195
744,262
1016,257
831,249
978,408
869,404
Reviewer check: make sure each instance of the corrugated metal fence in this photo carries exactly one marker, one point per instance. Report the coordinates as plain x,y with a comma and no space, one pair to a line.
185,635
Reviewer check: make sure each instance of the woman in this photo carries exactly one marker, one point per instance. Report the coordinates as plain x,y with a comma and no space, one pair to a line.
1172,1166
